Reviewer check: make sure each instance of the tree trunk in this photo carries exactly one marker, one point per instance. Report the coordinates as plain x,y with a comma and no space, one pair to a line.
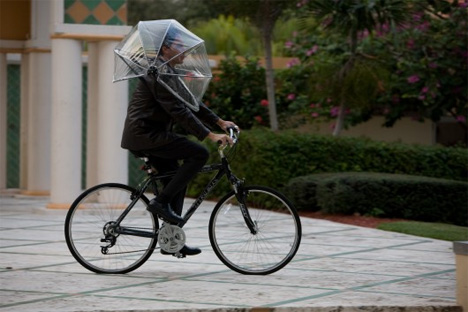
267,30
270,83
339,119
342,75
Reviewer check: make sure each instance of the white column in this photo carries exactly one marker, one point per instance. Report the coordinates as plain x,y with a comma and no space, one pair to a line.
66,122
24,125
92,115
112,108
39,120
3,121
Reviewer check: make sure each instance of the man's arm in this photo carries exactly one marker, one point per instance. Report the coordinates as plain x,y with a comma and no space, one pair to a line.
178,110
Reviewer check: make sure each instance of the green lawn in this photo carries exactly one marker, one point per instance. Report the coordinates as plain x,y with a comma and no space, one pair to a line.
441,231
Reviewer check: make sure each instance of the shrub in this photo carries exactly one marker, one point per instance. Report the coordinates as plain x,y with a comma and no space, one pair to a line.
239,91
273,158
385,195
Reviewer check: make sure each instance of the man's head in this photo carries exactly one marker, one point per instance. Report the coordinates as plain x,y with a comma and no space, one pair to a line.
173,46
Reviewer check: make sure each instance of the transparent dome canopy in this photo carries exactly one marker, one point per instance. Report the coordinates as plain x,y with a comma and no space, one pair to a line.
165,49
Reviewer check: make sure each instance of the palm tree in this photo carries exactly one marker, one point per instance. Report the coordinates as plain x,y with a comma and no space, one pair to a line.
227,34
350,17
264,14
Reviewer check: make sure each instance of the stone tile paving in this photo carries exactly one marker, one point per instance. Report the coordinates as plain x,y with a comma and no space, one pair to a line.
338,267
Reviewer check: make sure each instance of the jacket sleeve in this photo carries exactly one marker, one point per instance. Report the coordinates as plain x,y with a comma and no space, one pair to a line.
207,115
178,111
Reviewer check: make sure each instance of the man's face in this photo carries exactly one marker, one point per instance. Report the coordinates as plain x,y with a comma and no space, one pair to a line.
169,52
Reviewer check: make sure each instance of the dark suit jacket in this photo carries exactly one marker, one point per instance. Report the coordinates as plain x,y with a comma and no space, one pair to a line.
152,113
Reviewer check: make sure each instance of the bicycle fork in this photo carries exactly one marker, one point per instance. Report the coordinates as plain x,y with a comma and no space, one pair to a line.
241,196
251,224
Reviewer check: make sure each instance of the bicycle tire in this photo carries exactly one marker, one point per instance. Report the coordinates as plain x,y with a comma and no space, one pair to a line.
271,248
84,229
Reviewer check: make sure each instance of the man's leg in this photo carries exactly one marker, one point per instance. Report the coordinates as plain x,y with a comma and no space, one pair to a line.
167,165
177,202
165,159
163,206
194,157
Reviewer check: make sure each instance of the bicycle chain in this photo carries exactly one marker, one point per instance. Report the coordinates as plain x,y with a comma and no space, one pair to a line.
166,231
126,252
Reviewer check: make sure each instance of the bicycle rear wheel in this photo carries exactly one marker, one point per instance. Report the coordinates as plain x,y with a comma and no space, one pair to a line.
91,218
271,248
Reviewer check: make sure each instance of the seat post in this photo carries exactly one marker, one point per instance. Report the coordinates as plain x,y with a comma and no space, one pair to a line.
147,166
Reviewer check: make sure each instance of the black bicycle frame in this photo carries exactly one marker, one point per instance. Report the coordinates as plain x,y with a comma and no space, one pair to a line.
222,168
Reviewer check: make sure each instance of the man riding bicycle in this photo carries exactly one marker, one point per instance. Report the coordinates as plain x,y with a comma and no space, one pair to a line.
148,131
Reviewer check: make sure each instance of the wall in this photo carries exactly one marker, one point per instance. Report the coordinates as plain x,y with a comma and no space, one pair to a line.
15,16
405,130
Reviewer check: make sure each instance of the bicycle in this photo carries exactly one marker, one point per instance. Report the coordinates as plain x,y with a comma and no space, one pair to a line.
252,229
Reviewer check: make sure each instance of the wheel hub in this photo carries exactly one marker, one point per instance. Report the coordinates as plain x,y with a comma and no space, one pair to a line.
110,228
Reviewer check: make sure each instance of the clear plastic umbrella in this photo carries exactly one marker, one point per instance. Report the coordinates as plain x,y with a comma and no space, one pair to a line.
182,67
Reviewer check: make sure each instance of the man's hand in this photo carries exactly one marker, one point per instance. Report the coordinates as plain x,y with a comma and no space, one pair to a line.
224,124
222,139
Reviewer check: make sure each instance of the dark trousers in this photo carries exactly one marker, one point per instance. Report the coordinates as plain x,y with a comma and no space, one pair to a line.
192,156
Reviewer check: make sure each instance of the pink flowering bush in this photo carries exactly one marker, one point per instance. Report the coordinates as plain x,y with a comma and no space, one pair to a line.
291,96
413,79
429,73
239,92
416,69
314,84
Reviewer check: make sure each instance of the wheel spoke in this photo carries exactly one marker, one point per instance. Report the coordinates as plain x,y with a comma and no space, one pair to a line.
92,218
275,244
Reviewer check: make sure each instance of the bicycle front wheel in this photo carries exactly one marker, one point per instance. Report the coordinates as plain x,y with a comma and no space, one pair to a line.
94,239
278,231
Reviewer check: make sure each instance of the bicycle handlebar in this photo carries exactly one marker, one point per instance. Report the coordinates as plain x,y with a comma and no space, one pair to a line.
233,134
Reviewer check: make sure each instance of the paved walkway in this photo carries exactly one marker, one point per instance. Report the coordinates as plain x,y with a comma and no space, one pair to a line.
337,268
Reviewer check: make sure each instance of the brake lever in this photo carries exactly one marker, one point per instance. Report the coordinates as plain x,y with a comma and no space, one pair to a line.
233,131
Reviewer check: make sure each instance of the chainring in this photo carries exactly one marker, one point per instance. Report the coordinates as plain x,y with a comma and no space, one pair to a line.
171,238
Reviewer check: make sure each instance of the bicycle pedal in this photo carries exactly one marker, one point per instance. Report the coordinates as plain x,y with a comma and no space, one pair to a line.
179,255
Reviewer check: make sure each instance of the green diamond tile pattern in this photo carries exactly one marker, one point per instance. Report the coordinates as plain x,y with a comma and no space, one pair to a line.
68,20
95,12
91,20
13,121
84,124
68,3
91,4
115,5
114,21
14,124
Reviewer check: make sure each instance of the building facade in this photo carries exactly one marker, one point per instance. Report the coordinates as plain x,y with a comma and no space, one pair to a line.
50,41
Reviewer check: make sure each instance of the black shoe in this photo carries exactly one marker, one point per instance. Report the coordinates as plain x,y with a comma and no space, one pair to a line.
185,251
164,211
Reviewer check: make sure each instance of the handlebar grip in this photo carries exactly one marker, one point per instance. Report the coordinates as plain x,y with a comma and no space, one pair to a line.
233,131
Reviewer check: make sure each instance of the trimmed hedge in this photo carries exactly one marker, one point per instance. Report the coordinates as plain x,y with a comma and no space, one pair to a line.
273,158
383,195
